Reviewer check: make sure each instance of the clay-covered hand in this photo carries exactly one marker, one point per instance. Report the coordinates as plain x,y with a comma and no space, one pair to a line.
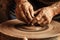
45,16
24,11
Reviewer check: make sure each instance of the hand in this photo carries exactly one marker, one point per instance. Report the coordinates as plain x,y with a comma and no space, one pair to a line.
45,16
24,12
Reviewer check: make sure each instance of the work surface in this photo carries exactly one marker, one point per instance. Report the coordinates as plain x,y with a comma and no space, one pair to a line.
7,29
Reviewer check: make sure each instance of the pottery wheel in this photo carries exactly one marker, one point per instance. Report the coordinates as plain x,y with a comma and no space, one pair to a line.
9,29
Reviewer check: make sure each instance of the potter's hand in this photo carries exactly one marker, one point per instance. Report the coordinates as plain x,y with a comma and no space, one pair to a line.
24,12
44,17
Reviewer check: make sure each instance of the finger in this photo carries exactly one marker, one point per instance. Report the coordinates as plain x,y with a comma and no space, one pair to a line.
47,19
39,16
41,21
27,14
33,21
45,22
31,11
48,16
18,14
37,12
22,14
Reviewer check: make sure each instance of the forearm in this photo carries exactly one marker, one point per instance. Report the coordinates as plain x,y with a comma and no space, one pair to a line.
56,8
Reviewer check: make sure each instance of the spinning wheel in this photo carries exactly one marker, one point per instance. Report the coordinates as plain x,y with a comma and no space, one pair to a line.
9,28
